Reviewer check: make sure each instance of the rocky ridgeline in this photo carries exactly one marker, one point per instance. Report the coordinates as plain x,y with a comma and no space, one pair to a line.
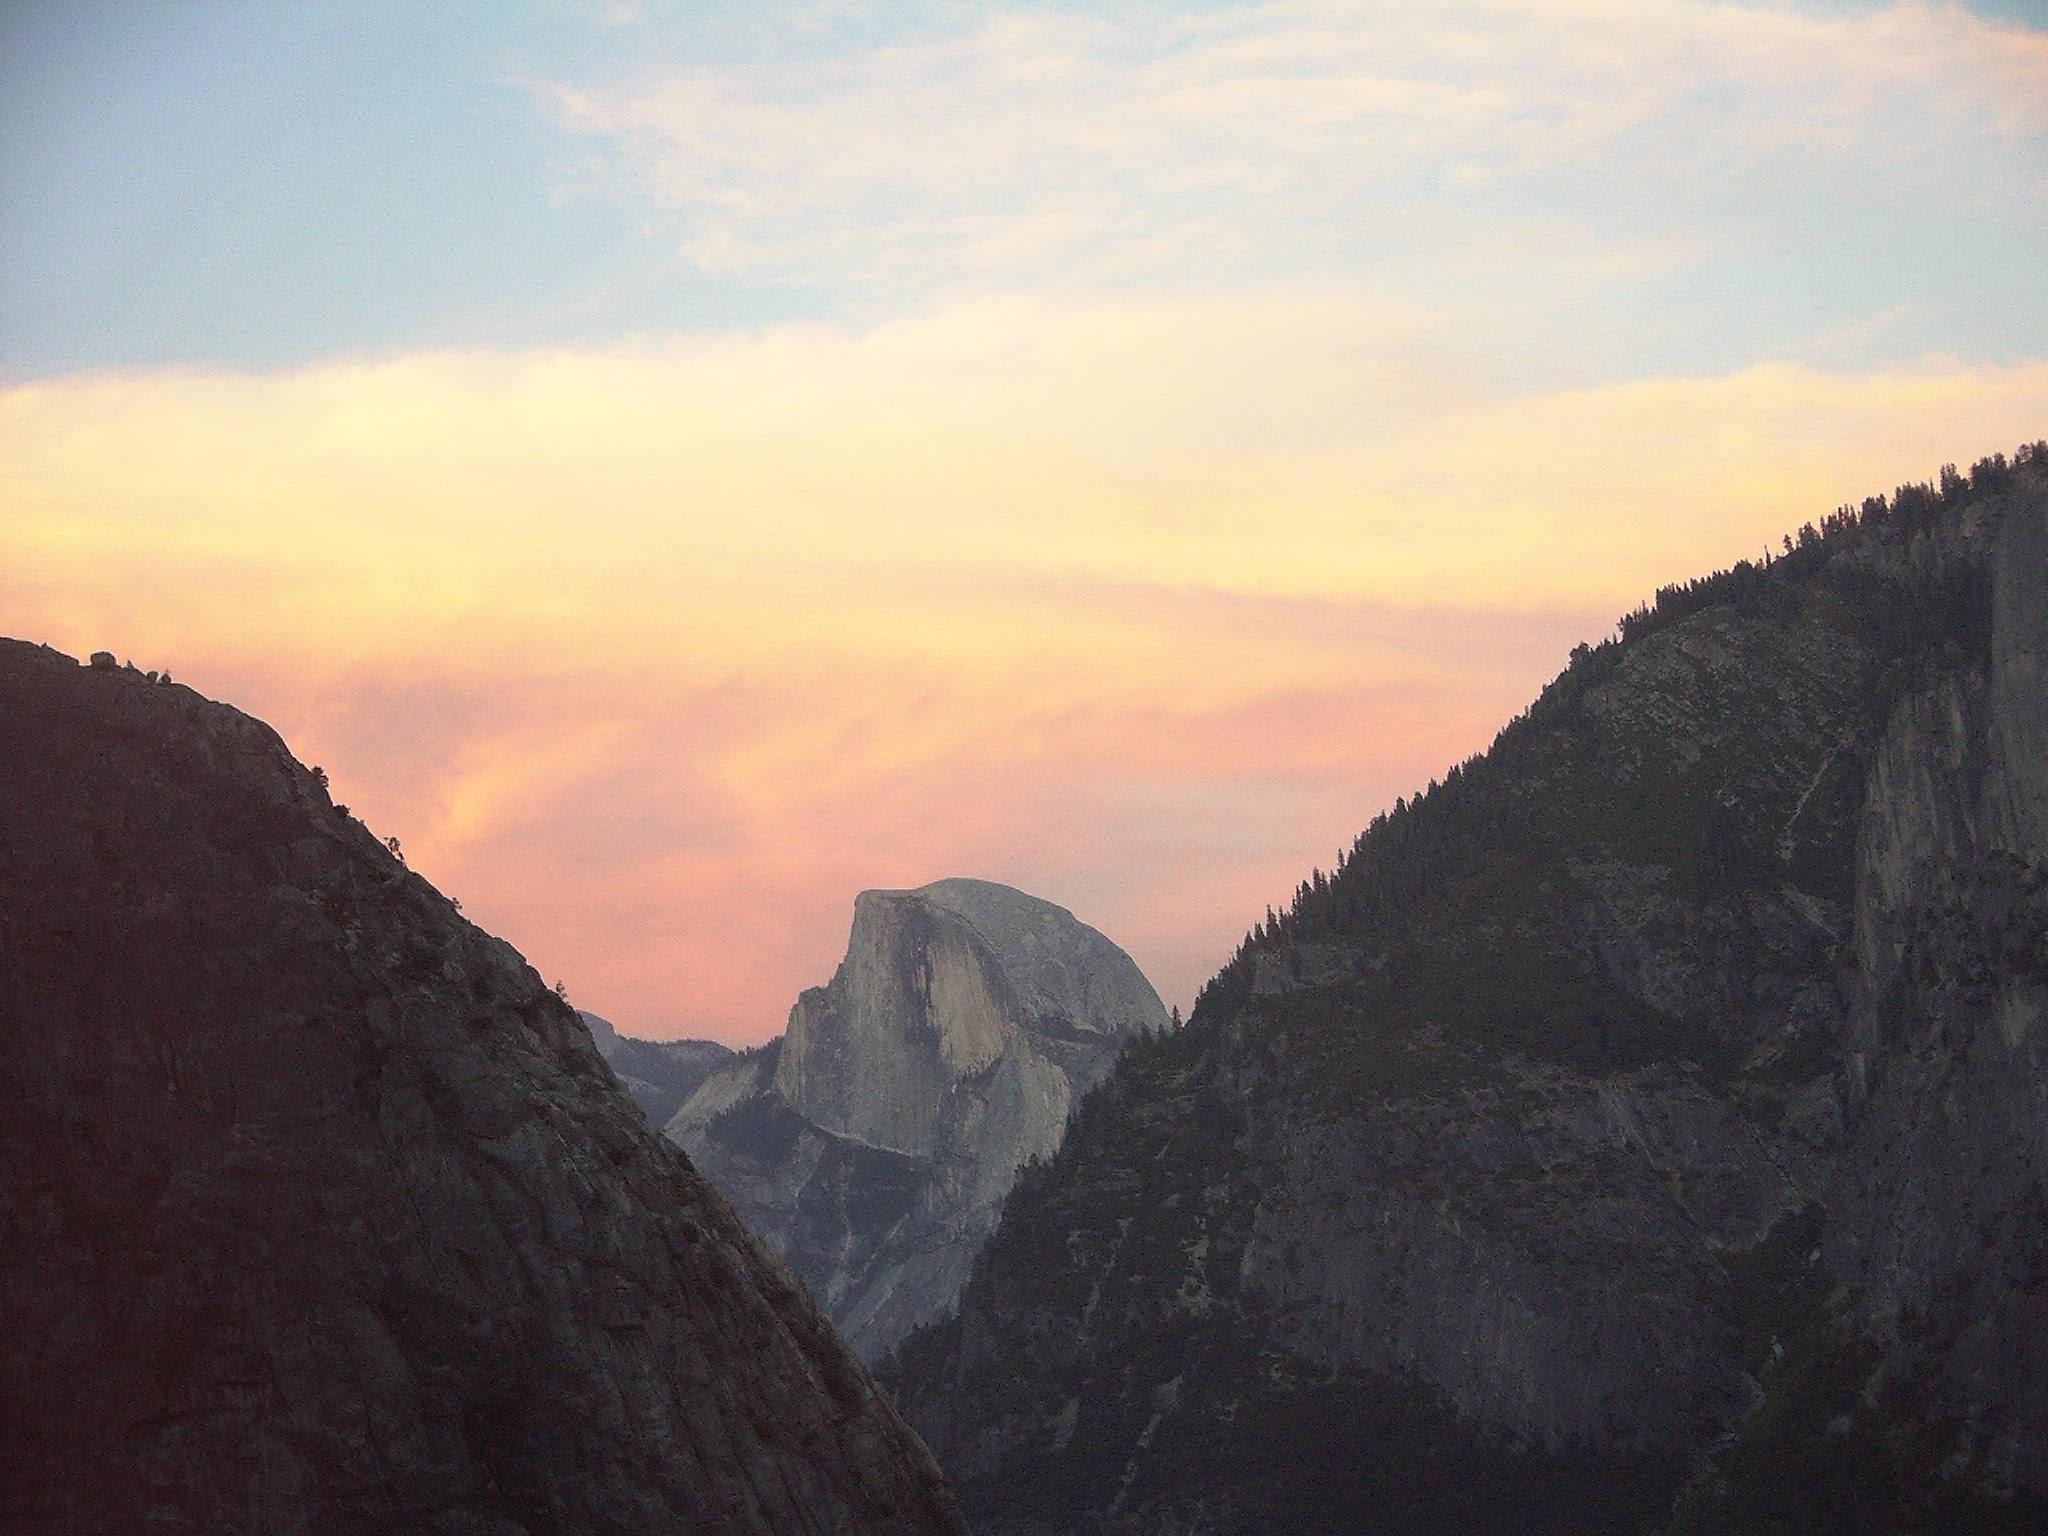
873,1143
321,1213
1646,1129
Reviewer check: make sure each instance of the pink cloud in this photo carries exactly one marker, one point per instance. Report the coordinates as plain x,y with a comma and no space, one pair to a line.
836,610
684,853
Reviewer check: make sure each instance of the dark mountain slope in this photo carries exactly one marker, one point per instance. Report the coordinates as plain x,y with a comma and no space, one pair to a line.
1654,1108
320,1213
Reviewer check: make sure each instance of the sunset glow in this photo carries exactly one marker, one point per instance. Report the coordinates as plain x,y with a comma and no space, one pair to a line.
1145,451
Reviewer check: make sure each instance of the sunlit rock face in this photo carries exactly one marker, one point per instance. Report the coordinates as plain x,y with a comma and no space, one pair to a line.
1645,1131
873,1143
320,1213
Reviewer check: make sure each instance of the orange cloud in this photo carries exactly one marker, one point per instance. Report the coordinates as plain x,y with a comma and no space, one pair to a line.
656,655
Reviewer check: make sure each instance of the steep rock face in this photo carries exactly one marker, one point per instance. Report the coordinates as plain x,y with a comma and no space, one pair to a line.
1644,1128
321,1213
1942,1196
872,1145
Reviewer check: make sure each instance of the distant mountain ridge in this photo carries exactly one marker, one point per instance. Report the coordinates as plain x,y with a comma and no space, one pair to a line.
659,1074
321,1213
1644,1129
873,1143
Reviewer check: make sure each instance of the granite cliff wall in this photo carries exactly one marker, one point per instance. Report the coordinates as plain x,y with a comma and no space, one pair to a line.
872,1145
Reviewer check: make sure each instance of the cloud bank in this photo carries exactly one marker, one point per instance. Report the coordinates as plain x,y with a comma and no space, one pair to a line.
656,654
1221,420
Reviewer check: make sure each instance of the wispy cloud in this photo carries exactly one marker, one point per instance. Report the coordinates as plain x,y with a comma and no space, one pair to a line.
1223,418
655,654
1453,146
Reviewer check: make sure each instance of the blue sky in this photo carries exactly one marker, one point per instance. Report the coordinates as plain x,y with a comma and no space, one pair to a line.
676,466
260,185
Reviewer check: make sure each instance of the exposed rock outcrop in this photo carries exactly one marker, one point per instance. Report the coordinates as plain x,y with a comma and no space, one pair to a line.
320,1213
1645,1128
872,1145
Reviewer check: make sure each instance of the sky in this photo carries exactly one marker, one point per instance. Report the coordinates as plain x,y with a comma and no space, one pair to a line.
677,465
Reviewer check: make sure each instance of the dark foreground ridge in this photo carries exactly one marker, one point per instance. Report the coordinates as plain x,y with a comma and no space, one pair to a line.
320,1213
1646,1129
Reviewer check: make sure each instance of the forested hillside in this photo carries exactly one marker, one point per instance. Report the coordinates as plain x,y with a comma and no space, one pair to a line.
1642,1128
